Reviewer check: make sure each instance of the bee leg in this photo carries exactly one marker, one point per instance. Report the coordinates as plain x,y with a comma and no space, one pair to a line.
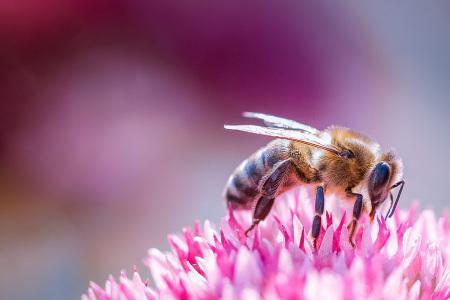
262,209
268,191
357,208
317,221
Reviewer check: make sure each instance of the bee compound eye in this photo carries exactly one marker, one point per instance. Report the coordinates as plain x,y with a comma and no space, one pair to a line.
380,176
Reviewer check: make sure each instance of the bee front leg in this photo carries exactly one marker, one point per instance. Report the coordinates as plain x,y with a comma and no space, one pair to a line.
357,208
319,208
268,192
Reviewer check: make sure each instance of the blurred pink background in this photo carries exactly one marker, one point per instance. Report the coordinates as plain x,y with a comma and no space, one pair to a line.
112,113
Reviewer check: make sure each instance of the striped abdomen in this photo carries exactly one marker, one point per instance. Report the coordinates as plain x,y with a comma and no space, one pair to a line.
242,186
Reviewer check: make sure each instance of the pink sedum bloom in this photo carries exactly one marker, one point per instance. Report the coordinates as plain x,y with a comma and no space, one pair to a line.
406,257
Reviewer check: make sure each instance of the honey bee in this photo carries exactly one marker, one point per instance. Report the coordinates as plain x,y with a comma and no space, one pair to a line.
336,160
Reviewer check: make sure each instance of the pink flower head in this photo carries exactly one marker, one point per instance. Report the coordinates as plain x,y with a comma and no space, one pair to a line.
406,257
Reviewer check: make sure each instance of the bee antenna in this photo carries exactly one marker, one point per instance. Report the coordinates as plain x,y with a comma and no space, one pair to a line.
390,207
401,184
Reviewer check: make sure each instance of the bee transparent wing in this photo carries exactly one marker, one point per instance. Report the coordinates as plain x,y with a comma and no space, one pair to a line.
288,134
277,122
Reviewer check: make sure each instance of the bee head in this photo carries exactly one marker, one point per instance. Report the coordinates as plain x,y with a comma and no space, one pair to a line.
378,184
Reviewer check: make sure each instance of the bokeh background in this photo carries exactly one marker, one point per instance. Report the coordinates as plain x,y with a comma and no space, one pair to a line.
112,113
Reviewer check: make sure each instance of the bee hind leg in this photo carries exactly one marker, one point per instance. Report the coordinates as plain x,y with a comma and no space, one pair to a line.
357,208
262,209
268,193
317,221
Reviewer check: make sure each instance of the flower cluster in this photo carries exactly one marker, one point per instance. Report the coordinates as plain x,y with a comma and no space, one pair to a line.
406,257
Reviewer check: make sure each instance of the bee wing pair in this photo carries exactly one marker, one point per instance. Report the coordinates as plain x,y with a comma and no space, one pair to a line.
285,129
277,122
